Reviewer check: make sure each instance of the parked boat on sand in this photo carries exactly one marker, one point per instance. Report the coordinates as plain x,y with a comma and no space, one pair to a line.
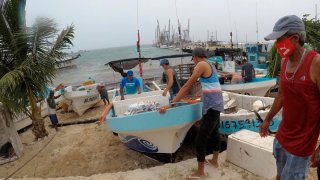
152,132
83,98
258,86
243,116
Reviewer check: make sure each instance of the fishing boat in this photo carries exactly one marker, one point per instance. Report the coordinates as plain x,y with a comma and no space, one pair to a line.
67,61
164,47
157,135
83,98
257,54
248,113
258,86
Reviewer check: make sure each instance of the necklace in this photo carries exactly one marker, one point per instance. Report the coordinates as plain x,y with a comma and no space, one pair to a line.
295,71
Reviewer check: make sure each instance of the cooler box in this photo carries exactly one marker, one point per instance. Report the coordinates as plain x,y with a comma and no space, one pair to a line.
121,106
249,151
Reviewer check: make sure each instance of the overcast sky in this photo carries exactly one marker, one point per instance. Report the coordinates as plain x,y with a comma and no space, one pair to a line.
113,23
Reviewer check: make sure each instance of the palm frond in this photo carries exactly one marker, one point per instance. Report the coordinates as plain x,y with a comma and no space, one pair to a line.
39,35
63,41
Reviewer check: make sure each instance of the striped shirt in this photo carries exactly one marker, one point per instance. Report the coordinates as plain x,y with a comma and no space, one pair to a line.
212,93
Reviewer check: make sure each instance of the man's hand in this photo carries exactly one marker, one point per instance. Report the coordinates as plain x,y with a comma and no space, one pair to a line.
163,109
164,93
263,131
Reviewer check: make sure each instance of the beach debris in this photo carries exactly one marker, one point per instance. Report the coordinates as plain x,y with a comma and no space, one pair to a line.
143,106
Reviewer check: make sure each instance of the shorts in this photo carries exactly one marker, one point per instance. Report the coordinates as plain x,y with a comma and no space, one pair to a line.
290,166
53,119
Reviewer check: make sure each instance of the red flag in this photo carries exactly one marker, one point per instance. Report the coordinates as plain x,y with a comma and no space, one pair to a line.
138,42
138,49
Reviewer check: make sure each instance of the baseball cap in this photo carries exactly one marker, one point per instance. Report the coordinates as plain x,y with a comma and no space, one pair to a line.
130,73
52,90
164,61
285,24
199,52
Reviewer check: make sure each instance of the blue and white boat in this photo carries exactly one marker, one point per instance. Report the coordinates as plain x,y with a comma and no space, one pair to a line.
247,118
152,132
258,86
257,54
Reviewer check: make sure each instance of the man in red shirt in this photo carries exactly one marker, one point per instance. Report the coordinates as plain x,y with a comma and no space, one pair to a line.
299,98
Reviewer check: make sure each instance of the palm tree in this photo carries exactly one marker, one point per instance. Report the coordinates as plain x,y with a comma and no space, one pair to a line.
28,56
274,63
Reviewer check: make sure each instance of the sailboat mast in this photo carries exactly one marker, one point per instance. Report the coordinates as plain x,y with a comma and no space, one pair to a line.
257,22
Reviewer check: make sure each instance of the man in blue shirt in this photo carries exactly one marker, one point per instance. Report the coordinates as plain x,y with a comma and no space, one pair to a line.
248,71
130,84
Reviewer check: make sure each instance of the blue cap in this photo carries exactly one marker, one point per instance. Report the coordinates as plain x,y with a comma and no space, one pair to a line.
130,73
164,61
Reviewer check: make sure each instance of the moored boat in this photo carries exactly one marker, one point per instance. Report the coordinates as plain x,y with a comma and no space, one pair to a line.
152,132
244,116
83,98
258,86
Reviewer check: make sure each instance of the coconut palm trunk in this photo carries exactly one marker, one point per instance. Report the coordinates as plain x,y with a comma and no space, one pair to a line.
38,127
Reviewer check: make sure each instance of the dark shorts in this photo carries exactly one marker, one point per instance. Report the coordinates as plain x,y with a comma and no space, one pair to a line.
208,137
53,119
290,166
104,95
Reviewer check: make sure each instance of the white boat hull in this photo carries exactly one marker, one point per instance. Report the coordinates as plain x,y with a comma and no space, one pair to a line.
164,140
233,122
252,88
82,100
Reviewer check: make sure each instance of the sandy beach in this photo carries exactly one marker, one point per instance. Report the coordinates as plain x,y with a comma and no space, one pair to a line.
90,151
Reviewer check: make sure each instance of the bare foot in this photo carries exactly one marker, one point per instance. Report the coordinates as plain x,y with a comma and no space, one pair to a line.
213,163
196,175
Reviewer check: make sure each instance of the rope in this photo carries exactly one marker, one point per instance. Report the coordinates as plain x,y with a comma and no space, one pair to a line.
31,158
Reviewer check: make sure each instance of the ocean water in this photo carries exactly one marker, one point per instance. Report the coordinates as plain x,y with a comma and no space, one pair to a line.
92,64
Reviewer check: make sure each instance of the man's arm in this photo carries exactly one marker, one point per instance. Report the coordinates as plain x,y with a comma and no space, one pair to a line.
139,90
253,71
197,72
170,81
276,106
242,71
122,84
56,97
121,94
315,71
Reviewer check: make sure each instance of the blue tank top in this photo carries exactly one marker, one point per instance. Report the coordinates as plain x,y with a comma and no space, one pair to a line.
212,93
175,86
